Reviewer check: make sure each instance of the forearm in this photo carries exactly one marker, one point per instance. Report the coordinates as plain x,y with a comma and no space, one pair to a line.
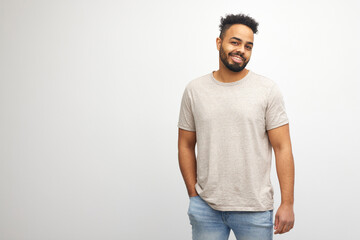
285,172
187,163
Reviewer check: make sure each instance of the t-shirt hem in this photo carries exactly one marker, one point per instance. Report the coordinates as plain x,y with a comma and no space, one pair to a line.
186,128
278,125
224,208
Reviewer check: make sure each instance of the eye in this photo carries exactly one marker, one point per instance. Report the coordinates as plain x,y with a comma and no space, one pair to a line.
248,47
234,42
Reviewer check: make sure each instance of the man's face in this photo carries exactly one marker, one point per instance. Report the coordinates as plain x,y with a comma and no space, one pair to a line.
236,47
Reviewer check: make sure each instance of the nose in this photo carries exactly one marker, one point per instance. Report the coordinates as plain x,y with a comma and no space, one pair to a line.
241,49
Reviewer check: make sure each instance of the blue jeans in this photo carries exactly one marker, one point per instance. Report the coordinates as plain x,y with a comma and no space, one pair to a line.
210,224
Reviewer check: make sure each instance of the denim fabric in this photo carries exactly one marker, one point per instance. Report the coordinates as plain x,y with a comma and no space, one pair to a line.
210,224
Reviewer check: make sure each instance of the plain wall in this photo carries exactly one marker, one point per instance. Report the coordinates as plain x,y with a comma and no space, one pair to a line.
90,95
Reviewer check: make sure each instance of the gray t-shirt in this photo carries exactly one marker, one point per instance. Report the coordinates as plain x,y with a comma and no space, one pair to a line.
234,153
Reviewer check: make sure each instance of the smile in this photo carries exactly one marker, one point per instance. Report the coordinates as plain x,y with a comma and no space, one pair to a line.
237,59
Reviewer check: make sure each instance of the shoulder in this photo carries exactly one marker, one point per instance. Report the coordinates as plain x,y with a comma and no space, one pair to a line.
263,81
198,82
272,88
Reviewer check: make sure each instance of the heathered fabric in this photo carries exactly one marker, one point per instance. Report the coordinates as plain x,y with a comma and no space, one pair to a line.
234,153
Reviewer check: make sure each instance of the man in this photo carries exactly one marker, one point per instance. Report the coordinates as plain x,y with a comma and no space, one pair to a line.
235,117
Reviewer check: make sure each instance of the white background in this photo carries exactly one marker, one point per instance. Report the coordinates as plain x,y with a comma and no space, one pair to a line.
90,94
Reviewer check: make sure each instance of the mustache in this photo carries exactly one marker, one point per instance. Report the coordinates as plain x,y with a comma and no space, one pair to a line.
238,55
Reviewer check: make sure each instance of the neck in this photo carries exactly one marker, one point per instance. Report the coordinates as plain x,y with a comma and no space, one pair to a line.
225,75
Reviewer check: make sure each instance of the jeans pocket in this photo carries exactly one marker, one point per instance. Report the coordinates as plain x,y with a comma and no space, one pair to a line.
271,216
190,200
194,197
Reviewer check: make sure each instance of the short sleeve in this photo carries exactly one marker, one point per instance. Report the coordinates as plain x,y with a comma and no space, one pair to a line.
275,115
186,117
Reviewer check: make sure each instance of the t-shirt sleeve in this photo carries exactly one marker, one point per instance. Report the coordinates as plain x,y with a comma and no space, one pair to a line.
186,117
275,115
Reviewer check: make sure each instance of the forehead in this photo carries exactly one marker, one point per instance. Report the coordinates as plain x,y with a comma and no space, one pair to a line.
240,31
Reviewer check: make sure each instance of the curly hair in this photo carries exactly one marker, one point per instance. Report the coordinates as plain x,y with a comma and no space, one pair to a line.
231,19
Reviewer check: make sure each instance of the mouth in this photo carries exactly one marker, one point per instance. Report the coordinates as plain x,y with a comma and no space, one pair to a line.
237,58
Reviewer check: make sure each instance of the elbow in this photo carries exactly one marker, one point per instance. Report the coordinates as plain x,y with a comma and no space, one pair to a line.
282,148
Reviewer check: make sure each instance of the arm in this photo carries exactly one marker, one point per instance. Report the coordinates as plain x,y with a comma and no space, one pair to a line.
187,159
281,143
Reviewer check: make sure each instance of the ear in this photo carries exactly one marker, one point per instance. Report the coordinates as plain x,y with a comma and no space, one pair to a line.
218,43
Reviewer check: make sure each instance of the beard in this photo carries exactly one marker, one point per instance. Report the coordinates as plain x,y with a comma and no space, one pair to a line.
235,67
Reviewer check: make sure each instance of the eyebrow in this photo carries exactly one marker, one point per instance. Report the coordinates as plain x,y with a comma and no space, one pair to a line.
241,40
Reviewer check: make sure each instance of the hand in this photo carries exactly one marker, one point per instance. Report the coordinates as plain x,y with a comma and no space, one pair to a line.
284,219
